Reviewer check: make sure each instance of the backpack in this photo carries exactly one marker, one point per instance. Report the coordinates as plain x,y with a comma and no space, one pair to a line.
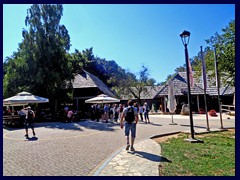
130,117
148,108
30,115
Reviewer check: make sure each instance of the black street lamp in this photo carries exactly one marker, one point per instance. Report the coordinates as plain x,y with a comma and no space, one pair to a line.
185,36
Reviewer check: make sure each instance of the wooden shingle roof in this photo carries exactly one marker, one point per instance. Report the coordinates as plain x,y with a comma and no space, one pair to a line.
180,87
88,80
150,93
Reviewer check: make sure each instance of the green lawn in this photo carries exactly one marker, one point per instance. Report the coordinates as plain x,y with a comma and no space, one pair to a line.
214,157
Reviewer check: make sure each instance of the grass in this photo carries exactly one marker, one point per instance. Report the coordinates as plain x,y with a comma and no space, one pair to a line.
214,157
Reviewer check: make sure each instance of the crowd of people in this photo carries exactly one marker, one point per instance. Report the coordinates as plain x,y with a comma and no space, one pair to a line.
113,112
105,113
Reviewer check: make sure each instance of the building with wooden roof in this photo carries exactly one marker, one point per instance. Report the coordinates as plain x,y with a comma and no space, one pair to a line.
180,88
87,86
148,95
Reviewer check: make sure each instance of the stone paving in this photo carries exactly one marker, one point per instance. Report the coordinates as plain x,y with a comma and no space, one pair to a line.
143,162
82,148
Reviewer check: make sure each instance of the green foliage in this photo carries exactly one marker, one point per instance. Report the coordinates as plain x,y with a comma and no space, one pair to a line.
225,46
43,66
133,86
225,51
40,66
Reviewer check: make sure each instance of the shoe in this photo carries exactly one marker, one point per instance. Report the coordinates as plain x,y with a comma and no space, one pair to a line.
132,149
26,136
127,148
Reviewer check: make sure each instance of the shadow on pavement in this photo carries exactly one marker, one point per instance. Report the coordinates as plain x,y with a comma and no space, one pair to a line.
151,123
154,124
163,159
193,126
12,128
149,156
32,139
79,126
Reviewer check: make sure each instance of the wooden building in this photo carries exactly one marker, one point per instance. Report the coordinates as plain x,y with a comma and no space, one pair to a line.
226,94
87,86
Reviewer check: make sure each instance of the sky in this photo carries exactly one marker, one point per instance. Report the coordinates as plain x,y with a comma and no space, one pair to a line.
130,34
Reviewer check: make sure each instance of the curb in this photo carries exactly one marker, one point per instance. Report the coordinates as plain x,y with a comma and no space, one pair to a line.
106,162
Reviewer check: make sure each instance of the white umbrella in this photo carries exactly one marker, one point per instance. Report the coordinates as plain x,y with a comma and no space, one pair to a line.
171,105
24,98
234,99
102,99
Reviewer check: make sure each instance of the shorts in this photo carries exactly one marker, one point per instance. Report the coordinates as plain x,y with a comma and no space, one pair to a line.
29,124
130,127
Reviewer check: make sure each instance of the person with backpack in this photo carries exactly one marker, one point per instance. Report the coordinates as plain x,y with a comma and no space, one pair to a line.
130,115
29,122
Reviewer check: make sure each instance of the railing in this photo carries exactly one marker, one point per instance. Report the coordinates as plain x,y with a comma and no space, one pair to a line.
12,120
229,108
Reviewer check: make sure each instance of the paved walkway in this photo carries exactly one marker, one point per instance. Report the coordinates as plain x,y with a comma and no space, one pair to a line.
92,148
145,160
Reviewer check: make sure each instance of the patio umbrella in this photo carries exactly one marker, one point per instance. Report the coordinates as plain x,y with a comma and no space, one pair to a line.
171,105
24,98
102,98
234,99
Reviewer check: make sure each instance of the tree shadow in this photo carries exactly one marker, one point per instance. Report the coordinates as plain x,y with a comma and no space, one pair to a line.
79,126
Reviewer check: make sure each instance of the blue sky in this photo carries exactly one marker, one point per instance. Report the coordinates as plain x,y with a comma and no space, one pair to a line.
130,34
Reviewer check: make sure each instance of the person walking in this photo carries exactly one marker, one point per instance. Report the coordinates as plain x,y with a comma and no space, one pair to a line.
141,112
98,112
116,112
146,111
29,121
121,107
130,115
106,112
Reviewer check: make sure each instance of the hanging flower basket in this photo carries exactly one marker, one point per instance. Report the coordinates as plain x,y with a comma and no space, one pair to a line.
212,113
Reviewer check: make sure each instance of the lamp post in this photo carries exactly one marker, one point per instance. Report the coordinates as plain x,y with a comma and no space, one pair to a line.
185,36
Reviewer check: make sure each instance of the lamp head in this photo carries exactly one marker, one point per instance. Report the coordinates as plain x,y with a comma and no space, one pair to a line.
185,35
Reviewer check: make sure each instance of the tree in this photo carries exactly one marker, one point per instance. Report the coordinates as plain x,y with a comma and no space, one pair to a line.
134,86
225,46
225,51
41,56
